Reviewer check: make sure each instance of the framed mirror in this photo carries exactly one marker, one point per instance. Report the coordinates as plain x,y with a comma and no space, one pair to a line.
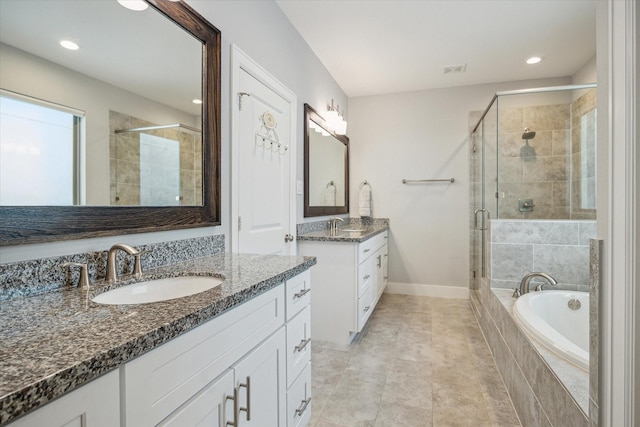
138,154
326,167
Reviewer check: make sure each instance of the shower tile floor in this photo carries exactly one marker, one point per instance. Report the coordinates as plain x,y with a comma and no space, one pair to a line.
420,361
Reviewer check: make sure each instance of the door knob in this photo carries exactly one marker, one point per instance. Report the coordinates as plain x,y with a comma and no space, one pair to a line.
288,238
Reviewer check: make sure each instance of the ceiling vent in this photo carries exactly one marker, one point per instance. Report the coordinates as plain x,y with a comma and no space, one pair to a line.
455,69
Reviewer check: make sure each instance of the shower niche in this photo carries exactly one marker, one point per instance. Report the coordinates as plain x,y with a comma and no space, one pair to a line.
154,164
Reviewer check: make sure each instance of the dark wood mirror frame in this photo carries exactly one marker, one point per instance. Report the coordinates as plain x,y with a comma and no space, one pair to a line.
34,224
309,211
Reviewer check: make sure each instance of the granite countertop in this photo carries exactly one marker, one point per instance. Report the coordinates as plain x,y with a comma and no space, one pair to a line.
54,342
367,232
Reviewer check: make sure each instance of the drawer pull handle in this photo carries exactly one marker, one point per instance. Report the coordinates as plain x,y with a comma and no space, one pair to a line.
366,277
303,406
367,308
236,409
246,385
366,250
302,293
302,344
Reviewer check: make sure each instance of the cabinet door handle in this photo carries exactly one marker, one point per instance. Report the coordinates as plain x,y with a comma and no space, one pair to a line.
236,409
302,293
302,344
247,409
366,277
366,250
379,261
303,406
247,385
367,308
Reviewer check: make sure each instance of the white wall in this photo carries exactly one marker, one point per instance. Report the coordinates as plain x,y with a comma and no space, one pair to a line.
261,30
421,135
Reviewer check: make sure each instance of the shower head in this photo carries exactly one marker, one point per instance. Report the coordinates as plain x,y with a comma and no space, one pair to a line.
528,134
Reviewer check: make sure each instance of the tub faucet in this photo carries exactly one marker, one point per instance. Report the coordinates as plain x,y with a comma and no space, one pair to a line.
524,283
112,274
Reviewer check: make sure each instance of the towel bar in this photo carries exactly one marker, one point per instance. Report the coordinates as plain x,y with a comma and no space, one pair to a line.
411,181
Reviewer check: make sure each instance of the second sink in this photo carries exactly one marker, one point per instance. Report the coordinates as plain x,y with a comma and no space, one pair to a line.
158,290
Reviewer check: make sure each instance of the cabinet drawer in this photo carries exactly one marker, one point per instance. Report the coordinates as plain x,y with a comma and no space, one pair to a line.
365,306
368,247
366,275
298,291
298,344
299,400
159,382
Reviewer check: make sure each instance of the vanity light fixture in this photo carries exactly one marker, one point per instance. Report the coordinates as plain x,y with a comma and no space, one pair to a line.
534,60
197,101
335,119
137,5
68,44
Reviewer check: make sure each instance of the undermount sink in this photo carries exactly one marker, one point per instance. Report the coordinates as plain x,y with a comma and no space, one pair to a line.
158,290
352,230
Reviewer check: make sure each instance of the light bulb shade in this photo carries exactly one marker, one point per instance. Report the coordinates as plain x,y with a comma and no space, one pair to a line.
332,118
341,128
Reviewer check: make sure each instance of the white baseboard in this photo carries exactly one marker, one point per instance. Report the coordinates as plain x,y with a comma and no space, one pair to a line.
437,291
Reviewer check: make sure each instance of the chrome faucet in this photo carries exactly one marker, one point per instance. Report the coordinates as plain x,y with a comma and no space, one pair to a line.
524,283
333,224
112,274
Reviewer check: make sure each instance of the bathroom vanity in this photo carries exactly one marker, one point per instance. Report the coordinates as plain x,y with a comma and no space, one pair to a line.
238,353
349,278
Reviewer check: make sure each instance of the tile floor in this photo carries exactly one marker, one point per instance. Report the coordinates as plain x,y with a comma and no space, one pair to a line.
420,362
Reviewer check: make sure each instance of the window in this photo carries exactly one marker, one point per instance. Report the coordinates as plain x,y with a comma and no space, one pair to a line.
39,146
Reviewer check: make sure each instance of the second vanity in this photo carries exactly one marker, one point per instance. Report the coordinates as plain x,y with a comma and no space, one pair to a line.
236,355
349,278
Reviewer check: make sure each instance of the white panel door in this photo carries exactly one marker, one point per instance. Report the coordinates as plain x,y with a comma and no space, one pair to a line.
264,168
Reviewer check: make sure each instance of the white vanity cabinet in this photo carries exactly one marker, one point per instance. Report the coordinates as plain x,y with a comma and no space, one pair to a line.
189,376
349,279
248,367
95,404
298,328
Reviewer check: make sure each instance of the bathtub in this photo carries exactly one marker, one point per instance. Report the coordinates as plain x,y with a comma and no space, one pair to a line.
547,317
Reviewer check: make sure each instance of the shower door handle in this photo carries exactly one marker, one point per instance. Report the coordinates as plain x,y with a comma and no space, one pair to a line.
475,219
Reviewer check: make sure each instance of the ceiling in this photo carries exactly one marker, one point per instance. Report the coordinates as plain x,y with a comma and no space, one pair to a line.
385,46
140,52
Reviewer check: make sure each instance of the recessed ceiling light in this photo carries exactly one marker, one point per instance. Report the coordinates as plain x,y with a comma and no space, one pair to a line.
68,44
197,101
136,5
534,60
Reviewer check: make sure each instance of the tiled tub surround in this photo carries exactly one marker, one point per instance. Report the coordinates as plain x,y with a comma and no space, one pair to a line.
545,389
559,248
319,230
595,254
37,276
55,342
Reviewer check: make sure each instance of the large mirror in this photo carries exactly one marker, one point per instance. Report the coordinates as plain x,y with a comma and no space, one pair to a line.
326,167
120,135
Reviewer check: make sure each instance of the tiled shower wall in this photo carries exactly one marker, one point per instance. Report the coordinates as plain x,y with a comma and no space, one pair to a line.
125,165
559,248
556,168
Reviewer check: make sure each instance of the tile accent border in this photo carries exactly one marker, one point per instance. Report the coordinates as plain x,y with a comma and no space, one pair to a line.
25,278
538,396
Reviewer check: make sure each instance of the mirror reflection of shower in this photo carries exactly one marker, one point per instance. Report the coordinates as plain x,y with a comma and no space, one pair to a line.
157,166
